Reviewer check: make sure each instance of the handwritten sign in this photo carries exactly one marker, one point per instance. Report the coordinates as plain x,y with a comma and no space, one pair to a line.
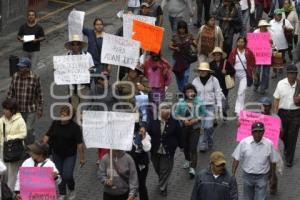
260,44
120,51
272,126
28,38
75,24
72,69
37,183
128,23
150,36
109,130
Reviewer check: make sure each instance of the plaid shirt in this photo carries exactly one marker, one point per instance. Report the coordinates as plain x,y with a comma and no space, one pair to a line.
27,91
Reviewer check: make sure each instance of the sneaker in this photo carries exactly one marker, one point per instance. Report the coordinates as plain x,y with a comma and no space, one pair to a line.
72,195
61,197
186,165
192,172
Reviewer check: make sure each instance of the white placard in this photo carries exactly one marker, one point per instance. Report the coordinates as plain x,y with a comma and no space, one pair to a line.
71,69
28,38
120,51
109,130
75,24
128,22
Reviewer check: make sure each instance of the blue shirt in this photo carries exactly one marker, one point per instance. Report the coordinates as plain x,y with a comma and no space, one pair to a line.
93,43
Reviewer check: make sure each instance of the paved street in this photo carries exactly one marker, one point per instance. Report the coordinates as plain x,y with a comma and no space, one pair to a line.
88,185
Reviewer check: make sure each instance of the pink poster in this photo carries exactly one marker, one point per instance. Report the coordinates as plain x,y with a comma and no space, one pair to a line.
260,44
37,183
272,126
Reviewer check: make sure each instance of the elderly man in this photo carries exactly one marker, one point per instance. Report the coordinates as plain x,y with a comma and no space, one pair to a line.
258,158
215,182
288,111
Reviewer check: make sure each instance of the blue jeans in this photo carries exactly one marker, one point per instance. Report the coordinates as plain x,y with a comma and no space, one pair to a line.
65,166
264,73
174,21
206,139
245,20
255,186
273,6
183,80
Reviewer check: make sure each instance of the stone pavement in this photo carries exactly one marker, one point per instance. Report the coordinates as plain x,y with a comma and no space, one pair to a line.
88,186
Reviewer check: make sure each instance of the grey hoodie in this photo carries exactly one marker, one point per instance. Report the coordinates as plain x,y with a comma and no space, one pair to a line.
126,167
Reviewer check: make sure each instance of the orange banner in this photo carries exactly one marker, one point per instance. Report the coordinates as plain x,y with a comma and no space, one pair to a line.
150,36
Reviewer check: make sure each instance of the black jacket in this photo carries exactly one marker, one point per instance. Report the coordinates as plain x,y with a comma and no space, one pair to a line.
206,187
170,139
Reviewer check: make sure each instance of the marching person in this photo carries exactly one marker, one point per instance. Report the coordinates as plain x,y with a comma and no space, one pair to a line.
243,61
215,182
209,91
154,10
124,183
26,89
202,5
65,139
256,166
12,126
165,135
247,8
31,28
39,157
289,113
189,111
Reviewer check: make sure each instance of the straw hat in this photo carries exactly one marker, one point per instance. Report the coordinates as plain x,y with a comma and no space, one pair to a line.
263,23
75,38
218,50
204,66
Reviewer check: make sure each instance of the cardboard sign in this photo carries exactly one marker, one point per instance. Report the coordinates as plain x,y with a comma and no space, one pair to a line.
272,126
75,24
120,51
108,130
28,38
72,69
260,44
128,23
150,36
37,183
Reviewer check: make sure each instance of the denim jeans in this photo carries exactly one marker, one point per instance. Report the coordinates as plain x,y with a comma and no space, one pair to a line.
273,6
174,21
264,74
255,186
183,80
65,166
245,20
29,118
206,139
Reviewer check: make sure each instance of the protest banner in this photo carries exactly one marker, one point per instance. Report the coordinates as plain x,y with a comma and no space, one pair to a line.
37,183
272,126
128,23
120,51
260,44
109,130
75,24
150,36
72,69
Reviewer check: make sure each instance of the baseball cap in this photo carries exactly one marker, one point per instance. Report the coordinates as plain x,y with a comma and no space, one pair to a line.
24,62
278,11
258,126
217,158
291,69
265,101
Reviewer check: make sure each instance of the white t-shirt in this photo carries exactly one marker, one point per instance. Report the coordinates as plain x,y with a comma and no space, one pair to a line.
244,4
240,70
277,33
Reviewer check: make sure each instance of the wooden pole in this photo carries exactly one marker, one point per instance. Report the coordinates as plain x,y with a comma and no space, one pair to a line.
111,164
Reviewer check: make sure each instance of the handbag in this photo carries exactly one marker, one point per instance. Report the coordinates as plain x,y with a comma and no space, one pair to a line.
6,193
249,78
229,81
297,94
13,150
288,33
192,55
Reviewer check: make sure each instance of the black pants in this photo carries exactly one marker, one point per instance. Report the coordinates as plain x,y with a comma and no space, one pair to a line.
200,5
142,176
190,141
107,196
290,123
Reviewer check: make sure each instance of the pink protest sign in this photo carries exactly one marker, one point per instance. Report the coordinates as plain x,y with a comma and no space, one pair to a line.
37,183
260,44
272,126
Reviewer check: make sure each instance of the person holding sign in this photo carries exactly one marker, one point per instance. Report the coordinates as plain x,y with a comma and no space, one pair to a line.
65,139
256,166
39,157
121,181
31,35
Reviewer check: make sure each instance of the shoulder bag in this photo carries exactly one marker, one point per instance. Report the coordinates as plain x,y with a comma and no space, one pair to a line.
13,150
297,94
249,78
6,193
229,81
288,33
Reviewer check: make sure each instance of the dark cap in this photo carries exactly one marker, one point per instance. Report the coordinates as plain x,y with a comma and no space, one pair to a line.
258,126
291,69
24,62
39,148
266,101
